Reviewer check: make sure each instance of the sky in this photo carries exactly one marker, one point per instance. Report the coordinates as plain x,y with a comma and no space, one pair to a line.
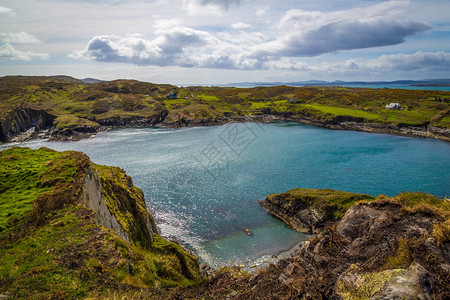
224,41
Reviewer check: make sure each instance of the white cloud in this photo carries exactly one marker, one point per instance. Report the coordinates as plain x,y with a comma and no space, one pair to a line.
312,33
301,34
419,61
7,52
18,38
206,7
6,10
170,47
261,12
240,25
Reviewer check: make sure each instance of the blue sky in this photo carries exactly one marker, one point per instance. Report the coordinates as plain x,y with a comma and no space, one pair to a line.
222,41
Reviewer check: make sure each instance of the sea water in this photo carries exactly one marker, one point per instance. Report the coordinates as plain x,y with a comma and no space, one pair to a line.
203,185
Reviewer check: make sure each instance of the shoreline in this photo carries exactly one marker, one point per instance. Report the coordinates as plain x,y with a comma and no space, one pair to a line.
352,124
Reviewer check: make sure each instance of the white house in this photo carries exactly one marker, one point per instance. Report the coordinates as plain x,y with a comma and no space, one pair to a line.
395,106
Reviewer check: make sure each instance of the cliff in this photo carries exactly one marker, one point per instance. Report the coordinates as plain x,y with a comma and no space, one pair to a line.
70,228
308,210
25,120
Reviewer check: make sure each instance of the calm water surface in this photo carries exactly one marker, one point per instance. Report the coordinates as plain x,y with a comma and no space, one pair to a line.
203,184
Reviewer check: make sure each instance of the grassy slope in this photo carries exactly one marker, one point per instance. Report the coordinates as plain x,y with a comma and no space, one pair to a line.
85,104
50,246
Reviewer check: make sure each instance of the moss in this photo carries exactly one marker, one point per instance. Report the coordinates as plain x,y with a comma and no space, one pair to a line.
68,120
441,232
367,285
402,257
127,203
173,264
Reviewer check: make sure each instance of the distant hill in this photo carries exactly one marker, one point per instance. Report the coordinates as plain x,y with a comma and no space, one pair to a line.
91,80
66,78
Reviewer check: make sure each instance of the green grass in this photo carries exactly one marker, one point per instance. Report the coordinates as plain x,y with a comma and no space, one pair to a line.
404,116
266,104
30,264
208,97
444,122
341,111
21,180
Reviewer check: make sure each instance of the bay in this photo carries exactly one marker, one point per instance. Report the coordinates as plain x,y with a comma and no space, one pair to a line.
203,184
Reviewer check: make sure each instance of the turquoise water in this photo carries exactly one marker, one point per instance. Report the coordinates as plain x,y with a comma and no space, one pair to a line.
203,184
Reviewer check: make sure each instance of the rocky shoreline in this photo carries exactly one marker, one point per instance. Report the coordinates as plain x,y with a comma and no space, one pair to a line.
22,126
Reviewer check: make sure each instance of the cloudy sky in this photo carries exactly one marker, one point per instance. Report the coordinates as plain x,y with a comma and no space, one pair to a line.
222,41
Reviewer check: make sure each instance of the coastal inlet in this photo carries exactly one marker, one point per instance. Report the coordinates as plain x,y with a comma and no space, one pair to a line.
205,193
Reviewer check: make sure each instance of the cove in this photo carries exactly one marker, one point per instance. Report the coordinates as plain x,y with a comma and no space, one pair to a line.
203,184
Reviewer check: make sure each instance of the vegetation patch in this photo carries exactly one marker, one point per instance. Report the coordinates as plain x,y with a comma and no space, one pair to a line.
341,111
24,174
327,201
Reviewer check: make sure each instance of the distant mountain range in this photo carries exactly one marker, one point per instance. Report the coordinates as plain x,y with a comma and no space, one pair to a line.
425,82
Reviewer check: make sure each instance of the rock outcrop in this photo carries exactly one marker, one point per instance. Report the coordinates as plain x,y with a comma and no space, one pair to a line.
390,248
414,282
308,210
22,120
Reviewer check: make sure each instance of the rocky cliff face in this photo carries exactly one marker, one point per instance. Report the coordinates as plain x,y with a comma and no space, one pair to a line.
130,221
22,120
91,197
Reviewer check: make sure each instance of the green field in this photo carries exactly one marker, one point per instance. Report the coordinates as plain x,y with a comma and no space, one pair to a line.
340,111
